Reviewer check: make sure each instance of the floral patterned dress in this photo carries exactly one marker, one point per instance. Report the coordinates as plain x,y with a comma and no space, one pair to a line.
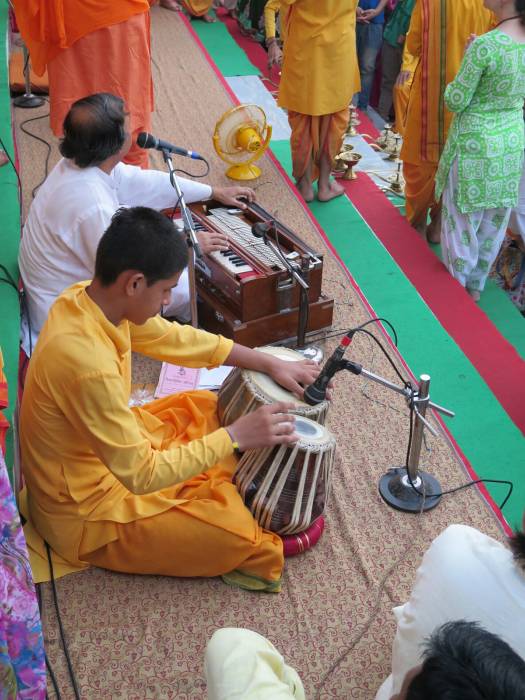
22,661
486,136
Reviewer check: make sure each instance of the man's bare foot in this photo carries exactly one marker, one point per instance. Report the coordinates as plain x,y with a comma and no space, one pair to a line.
333,190
434,230
172,5
421,228
208,18
305,189
474,293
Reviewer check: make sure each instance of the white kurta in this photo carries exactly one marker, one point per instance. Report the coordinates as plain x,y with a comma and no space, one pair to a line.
68,217
464,575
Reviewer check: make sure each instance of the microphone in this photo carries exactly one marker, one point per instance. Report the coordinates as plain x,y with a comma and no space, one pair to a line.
261,229
316,392
145,140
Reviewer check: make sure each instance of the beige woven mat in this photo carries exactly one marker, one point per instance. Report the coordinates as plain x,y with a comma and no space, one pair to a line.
144,637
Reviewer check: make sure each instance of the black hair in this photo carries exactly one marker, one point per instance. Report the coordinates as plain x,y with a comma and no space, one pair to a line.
141,239
462,661
94,129
520,9
517,544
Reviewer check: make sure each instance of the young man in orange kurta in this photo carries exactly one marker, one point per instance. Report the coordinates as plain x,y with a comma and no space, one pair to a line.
439,30
90,47
143,490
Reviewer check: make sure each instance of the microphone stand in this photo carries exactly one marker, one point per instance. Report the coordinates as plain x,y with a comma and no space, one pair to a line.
191,237
311,352
27,100
408,488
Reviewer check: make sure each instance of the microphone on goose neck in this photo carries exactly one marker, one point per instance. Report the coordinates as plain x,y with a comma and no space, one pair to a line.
316,392
145,140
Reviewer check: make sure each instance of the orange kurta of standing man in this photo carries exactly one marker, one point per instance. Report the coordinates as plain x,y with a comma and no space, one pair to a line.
89,47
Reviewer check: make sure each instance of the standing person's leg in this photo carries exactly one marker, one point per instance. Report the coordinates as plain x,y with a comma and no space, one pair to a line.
419,193
459,242
301,145
490,235
367,61
327,143
390,67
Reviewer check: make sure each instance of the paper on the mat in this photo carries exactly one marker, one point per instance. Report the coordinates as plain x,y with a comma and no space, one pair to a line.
174,379
213,378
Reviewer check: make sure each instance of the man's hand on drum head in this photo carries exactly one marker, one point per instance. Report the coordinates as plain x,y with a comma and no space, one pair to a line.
268,425
296,376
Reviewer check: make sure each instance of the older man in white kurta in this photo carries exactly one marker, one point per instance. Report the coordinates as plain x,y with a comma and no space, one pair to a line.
67,218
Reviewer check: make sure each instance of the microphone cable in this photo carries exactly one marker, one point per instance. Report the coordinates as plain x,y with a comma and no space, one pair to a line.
60,625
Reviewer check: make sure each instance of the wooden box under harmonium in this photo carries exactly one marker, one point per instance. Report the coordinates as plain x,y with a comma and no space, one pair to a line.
246,293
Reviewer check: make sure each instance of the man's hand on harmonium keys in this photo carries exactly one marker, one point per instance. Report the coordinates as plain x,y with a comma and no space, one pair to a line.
268,425
235,196
210,241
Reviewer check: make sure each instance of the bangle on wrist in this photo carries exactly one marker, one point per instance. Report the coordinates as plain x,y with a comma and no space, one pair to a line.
270,41
235,444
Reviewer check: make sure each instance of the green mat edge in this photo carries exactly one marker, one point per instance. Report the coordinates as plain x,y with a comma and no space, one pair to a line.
9,242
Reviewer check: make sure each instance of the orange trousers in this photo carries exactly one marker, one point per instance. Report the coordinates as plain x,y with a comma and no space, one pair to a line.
212,533
114,59
314,136
419,191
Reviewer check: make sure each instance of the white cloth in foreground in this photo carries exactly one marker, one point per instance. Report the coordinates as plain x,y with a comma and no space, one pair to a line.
464,575
67,219
243,665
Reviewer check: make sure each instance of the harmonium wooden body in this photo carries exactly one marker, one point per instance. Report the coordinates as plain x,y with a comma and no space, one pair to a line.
246,293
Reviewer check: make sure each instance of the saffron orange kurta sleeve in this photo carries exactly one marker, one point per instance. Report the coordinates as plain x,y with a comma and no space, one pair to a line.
93,466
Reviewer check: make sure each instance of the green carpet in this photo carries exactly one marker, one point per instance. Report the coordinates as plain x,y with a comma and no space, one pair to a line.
423,342
9,240
218,42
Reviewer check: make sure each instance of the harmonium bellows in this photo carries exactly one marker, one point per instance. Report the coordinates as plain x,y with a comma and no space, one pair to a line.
246,292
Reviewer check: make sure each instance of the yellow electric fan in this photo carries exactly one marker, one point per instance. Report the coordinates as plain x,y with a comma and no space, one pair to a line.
241,136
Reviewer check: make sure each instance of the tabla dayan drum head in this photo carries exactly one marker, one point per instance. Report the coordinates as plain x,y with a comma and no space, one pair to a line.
245,390
286,487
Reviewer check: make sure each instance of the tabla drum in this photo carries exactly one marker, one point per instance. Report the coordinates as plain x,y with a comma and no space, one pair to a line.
245,390
286,487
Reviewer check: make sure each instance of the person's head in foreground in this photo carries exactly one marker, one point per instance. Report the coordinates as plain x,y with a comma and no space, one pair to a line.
96,129
462,661
139,260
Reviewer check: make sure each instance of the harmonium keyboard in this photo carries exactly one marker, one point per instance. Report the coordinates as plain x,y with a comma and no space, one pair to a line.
246,292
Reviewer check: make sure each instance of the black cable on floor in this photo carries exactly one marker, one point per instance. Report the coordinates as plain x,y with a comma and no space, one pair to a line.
60,626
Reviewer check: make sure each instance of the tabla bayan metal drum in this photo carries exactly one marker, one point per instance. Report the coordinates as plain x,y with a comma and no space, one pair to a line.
245,390
286,487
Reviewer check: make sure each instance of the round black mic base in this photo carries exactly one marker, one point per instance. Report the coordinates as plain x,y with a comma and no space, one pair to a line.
396,490
28,101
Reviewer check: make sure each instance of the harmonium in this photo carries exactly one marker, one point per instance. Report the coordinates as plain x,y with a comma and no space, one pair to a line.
246,292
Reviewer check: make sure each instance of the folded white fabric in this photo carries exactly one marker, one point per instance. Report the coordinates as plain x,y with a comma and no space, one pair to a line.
240,663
